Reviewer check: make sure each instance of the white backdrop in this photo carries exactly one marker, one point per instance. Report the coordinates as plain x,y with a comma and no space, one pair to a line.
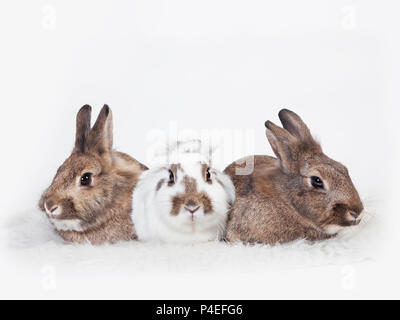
211,64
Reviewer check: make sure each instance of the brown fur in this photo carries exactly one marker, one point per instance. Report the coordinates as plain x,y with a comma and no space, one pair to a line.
104,207
277,204
204,169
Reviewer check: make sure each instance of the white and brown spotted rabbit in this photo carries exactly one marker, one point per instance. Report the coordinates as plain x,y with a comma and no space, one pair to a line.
302,194
90,198
184,202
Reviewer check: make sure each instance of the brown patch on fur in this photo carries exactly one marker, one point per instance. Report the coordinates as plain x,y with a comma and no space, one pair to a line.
160,184
174,168
191,198
128,159
190,185
177,203
204,169
207,204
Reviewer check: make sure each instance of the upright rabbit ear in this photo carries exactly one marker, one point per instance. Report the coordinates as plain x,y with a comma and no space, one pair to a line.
292,144
282,143
101,135
82,128
295,125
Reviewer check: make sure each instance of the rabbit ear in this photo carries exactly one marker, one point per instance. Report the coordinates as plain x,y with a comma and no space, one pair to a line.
292,144
282,143
295,125
101,135
82,128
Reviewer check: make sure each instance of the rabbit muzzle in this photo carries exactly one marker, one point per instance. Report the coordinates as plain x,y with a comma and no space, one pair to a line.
343,218
62,215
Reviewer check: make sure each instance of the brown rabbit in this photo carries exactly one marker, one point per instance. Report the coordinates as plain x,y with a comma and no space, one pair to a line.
90,199
301,195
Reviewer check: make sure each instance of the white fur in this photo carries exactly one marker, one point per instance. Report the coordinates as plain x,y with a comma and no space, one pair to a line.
152,209
67,225
63,224
333,229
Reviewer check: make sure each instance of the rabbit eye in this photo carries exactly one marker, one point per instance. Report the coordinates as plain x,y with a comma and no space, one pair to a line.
171,178
208,175
317,182
86,180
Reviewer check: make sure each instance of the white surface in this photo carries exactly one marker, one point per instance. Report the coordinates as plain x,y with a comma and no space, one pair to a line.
48,267
213,64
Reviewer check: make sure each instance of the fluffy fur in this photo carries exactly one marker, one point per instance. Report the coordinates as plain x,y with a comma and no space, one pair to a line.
280,202
31,240
182,203
98,212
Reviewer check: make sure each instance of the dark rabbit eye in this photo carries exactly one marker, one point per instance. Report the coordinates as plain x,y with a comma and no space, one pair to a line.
86,180
317,182
171,177
208,175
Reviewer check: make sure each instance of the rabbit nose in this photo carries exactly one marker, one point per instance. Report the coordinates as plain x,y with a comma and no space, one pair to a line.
51,207
192,210
192,206
355,215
